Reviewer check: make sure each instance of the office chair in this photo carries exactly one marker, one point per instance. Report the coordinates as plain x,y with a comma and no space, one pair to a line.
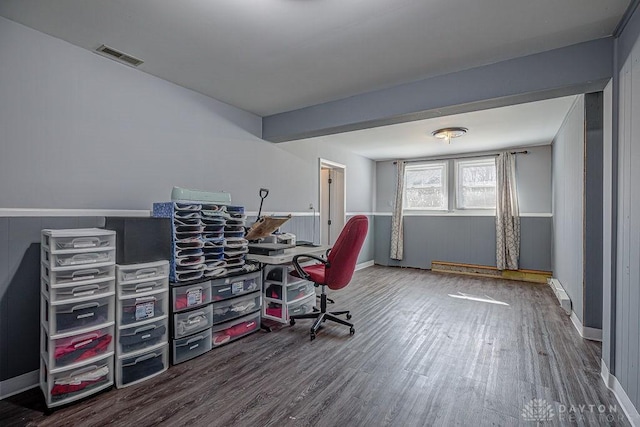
335,272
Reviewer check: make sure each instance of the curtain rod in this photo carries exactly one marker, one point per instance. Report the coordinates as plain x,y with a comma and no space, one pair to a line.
459,157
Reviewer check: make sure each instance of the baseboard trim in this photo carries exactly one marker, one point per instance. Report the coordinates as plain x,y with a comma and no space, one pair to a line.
19,384
365,264
533,276
586,332
561,294
614,385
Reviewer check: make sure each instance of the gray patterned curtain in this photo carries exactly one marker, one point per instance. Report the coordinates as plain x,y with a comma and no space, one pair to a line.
507,213
397,238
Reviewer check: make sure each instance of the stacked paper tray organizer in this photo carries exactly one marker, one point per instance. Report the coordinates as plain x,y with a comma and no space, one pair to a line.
77,313
142,349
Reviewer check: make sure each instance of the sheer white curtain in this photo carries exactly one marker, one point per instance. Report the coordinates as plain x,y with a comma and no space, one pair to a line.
507,213
397,233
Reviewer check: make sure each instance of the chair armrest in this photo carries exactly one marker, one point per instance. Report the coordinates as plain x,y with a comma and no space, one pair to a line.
299,268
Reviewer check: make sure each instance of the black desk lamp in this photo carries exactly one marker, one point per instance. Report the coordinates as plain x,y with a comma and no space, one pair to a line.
263,193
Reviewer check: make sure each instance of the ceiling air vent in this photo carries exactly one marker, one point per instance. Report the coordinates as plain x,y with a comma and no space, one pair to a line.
120,56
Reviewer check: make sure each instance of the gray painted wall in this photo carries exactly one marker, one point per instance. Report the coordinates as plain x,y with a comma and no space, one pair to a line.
568,203
80,131
627,283
461,239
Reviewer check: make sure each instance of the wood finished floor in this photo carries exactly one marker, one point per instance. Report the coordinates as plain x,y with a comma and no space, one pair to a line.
419,358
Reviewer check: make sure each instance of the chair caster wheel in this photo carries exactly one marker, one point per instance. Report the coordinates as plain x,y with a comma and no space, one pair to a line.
292,322
348,316
352,331
312,336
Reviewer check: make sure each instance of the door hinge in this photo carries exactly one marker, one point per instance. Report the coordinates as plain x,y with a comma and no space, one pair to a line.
330,181
329,222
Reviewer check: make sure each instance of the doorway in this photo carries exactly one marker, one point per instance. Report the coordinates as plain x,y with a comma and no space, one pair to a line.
332,200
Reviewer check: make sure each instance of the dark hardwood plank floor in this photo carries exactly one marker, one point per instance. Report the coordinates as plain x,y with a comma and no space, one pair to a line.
420,357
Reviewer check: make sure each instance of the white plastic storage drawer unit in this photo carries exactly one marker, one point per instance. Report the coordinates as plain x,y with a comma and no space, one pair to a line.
146,271
238,328
281,274
237,307
80,238
141,337
230,287
139,287
84,276
192,346
190,322
302,306
75,383
135,368
78,258
79,291
142,307
63,317
186,297
80,349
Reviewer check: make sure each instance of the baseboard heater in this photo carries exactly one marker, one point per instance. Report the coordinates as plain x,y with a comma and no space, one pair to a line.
534,276
563,298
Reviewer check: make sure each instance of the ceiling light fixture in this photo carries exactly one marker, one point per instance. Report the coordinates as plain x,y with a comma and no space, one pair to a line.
448,133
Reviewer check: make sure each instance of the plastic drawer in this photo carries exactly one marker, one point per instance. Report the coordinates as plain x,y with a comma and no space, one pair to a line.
74,239
237,307
140,287
302,306
138,309
230,287
78,291
190,322
191,296
299,291
149,270
77,349
273,290
133,369
191,346
59,318
281,274
231,331
78,258
76,383
77,276
140,337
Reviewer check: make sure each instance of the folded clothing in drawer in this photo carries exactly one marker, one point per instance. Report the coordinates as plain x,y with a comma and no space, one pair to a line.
142,366
230,331
143,336
142,308
66,385
77,315
190,322
191,346
236,307
230,287
190,296
82,347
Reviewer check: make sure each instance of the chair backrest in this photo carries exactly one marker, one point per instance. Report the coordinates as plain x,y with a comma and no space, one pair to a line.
344,254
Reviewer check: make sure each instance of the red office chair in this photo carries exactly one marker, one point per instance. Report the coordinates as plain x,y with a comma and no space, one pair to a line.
335,272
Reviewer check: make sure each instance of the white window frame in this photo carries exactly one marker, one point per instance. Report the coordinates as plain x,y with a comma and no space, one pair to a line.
444,165
459,163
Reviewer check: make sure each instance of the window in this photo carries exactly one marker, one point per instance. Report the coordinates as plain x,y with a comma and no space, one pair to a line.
425,187
476,184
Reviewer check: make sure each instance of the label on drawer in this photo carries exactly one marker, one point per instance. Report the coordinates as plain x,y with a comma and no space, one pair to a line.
194,297
237,287
144,310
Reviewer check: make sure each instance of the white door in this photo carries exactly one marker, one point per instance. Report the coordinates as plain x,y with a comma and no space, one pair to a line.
332,201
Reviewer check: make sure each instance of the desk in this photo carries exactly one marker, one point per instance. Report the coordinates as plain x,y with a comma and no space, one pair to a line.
283,293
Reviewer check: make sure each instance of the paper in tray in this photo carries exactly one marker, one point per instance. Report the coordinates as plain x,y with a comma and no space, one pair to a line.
264,226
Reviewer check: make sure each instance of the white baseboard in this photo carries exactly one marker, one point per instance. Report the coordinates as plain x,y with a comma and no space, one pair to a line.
623,399
561,294
19,384
364,265
585,332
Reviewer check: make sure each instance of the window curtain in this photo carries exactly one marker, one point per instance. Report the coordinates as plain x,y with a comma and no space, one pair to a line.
507,213
397,233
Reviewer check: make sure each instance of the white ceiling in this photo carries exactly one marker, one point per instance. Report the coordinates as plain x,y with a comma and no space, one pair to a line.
270,56
523,125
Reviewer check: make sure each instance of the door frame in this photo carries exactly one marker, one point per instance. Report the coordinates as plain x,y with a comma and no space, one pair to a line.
329,164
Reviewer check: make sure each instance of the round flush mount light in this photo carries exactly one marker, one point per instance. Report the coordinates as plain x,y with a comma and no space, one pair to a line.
448,133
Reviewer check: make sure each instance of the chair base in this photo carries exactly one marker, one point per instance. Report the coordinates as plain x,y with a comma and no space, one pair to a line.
322,316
